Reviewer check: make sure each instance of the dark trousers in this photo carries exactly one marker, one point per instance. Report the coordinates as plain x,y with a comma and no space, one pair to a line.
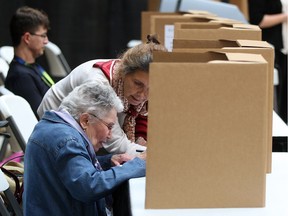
281,89
121,200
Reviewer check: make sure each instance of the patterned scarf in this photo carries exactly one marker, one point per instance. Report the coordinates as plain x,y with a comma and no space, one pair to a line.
109,68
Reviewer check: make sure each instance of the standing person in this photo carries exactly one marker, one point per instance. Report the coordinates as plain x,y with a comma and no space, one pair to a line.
129,77
26,78
63,175
268,14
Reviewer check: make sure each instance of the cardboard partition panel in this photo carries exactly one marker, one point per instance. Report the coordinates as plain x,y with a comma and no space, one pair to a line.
243,46
207,31
206,132
146,22
163,25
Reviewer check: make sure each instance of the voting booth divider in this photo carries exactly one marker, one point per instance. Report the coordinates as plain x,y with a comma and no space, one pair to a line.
243,46
207,132
163,24
210,112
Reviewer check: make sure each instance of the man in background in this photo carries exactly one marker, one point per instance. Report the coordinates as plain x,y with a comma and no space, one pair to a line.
26,78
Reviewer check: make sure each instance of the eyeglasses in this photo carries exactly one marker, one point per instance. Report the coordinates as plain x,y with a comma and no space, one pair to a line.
109,126
44,36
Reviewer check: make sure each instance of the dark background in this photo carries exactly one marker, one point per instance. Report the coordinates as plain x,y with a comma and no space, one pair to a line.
83,29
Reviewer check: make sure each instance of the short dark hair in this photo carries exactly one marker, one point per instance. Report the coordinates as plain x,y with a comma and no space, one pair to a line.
27,19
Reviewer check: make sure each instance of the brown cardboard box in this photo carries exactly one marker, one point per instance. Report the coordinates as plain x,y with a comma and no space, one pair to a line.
205,134
156,22
146,22
244,46
163,26
206,31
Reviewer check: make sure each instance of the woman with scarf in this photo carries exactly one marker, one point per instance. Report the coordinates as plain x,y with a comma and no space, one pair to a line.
129,77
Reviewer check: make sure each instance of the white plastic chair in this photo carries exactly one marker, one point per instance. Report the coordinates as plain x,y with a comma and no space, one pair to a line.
5,188
4,139
17,111
4,67
57,63
5,91
7,53
133,43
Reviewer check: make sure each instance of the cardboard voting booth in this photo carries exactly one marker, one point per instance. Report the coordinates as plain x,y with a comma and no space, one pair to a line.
162,24
146,21
206,31
244,46
206,130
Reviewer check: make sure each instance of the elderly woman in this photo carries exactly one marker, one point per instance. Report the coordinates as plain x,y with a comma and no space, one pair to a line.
62,175
129,78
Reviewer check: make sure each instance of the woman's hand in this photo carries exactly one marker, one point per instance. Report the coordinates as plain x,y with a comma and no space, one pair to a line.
142,155
119,159
141,141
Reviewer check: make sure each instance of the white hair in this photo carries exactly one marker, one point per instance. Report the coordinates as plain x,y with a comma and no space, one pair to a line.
92,96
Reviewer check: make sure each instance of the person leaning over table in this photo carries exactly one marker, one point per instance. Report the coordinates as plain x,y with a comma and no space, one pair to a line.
129,78
26,78
63,175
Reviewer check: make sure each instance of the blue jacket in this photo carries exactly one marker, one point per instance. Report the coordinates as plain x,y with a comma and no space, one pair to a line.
26,82
59,176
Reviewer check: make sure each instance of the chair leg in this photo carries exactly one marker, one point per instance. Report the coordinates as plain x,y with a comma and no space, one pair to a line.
3,209
3,148
13,202
17,133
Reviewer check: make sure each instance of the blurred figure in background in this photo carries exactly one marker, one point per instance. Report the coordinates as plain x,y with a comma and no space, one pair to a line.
26,78
269,15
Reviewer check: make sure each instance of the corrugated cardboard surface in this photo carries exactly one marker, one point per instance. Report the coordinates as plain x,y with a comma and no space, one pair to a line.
206,134
197,31
150,19
146,22
244,46
158,23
